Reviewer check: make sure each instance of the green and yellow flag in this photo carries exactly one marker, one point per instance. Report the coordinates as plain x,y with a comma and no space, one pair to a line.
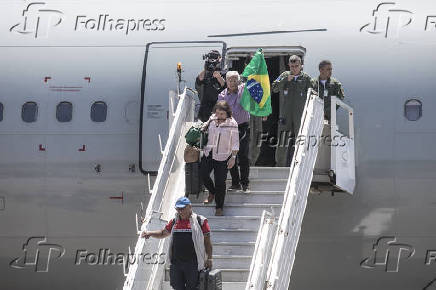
256,98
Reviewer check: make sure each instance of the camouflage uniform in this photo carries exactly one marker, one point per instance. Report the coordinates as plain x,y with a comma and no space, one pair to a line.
293,97
332,88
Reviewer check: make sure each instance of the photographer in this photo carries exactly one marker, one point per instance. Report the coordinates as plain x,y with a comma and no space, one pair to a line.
209,83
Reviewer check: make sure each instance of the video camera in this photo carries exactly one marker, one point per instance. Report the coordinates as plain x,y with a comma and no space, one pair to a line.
212,63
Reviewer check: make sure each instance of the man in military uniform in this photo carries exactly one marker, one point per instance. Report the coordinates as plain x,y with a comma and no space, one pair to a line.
327,86
293,86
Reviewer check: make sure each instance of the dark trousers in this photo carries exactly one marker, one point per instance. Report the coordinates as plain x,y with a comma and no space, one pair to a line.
242,163
184,275
220,175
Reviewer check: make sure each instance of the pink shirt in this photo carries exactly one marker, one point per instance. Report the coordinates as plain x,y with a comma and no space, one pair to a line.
222,139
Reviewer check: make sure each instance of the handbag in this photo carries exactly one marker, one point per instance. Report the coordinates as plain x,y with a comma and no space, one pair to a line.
197,135
191,154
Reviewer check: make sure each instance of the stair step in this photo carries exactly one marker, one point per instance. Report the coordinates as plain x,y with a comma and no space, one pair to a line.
237,209
235,275
226,285
269,184
233,235
231,261
227,275
269,172
234,222
242,197
233,248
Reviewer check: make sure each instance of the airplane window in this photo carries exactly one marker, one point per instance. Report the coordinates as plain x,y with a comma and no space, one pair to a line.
413,110
99,111
29,112
1,112
64,112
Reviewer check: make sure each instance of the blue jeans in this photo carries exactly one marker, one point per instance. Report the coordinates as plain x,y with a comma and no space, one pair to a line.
184,275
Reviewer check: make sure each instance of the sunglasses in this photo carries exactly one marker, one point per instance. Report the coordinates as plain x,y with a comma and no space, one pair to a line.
180,208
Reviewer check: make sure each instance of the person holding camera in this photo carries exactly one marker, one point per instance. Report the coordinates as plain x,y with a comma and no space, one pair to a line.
209,83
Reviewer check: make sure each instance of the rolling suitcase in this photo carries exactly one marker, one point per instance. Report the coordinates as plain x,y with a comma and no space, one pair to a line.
214,280
192,179
203,279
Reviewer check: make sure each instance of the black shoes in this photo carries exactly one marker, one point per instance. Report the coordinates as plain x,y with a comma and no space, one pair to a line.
246,188
235,187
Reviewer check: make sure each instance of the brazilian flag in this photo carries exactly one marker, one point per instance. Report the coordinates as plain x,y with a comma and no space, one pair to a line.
256,98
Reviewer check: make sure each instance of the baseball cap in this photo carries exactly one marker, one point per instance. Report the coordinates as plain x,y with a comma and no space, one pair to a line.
182,202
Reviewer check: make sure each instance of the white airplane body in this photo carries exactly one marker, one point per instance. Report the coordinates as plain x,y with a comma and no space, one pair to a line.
76,185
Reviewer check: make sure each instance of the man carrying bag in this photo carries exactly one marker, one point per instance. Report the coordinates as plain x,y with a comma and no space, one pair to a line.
190,247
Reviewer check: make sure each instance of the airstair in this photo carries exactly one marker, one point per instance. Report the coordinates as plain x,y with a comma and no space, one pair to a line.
254,243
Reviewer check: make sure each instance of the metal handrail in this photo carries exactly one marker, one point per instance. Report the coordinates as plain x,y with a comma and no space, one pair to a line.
335,101
261,255
158,202
295,199
346,184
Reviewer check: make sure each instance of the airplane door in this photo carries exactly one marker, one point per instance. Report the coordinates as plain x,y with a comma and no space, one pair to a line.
159,78
342,149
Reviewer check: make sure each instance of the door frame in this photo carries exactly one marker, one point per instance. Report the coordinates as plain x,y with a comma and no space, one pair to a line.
144,74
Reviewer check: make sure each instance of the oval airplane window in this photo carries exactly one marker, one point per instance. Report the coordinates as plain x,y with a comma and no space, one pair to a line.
1,112
99,111
413,109
29,112
64,112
